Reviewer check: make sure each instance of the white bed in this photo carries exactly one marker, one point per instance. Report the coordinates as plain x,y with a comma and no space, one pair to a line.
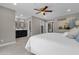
52,44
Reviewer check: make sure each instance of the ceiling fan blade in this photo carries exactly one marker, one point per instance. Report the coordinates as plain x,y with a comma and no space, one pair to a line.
44,8
38,12
48,10
37,9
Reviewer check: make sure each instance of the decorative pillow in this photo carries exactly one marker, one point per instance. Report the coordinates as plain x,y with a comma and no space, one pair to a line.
73,33
65,33
71,21
77,38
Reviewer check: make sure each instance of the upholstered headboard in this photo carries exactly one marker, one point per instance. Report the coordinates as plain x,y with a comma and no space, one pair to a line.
66,24
77,23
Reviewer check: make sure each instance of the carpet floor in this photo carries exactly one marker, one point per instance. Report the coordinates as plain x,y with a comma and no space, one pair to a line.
16,49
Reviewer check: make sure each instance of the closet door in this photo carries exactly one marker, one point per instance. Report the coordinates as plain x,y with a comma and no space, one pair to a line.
50,27
7,25
29,28
42,27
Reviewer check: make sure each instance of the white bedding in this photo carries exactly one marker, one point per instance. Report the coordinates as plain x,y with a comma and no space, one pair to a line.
52,44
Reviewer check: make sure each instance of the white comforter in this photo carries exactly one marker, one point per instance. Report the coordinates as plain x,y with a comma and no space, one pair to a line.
52,43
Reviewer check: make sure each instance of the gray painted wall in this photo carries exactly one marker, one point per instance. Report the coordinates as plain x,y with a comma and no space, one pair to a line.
65,16
35,26
7,25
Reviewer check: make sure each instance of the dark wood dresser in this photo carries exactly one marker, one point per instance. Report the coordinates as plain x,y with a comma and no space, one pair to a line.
21,33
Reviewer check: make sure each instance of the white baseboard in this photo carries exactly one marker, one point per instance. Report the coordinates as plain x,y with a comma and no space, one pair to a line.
5,44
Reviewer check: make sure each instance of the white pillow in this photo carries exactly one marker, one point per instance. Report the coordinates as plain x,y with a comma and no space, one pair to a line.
65,33
72,33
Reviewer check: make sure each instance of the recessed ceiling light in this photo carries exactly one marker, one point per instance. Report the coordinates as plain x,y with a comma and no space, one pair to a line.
14,3
21,15
68,10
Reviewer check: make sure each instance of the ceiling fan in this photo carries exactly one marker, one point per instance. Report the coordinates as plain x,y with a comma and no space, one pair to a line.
43,10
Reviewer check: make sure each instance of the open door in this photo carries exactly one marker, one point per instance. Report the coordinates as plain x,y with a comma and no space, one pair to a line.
29,28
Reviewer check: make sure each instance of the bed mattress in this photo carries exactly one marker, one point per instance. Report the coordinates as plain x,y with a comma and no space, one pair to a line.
52,44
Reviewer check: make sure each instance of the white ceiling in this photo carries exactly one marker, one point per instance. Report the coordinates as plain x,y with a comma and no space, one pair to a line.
59,9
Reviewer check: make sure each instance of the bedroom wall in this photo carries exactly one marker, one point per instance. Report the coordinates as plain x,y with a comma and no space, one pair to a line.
35,26
7,25
69,15
56,24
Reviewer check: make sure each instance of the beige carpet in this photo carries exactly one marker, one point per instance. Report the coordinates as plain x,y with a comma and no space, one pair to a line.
16,49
